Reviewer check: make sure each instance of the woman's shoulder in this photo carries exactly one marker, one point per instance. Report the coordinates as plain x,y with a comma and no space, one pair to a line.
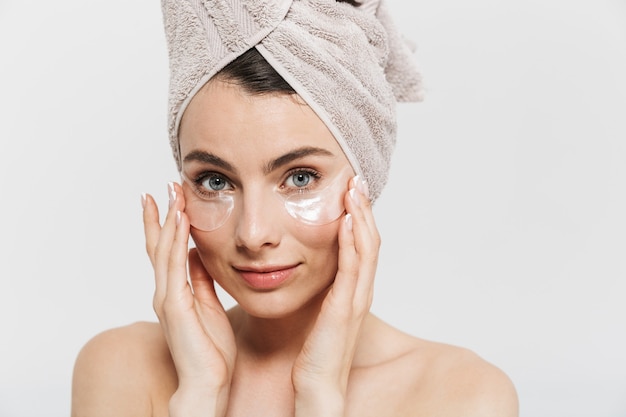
463,381
441,379
120,372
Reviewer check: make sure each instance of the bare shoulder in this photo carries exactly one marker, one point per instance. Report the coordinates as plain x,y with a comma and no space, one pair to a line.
438,379
120,371
463,383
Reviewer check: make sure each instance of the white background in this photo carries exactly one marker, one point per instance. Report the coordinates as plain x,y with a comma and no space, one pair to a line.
503,225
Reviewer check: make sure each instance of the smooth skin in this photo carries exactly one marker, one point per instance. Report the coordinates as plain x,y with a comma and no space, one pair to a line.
307,347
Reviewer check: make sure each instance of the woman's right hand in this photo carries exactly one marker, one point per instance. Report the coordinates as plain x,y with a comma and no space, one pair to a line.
195,325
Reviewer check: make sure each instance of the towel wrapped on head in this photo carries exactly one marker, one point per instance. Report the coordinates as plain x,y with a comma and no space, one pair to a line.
349,64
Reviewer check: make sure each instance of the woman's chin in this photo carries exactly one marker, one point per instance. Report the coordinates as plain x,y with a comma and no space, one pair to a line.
275,305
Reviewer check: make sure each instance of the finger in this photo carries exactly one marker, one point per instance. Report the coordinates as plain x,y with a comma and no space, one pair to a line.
152,230
151,225
177,283
162,251
213,317
360,198
166,237
201,282
348,263
366,246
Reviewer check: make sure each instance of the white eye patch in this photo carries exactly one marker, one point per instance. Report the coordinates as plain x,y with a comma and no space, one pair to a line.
209,211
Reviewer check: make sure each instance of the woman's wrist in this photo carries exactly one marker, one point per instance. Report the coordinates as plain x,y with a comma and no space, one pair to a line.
198,403
320,402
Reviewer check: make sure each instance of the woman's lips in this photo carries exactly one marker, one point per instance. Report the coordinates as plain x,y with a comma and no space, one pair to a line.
266,278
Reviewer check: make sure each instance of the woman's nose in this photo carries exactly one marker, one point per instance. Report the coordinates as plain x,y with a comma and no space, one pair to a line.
258,221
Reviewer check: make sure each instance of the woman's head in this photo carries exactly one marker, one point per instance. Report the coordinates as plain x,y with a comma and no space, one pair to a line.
348,65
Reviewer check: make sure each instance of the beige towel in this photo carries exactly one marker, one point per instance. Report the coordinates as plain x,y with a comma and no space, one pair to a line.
348,63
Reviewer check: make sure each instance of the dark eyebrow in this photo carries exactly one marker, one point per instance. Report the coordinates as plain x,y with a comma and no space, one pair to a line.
294,155
208,158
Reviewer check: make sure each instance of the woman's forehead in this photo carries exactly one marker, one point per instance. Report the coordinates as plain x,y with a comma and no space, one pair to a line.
229,122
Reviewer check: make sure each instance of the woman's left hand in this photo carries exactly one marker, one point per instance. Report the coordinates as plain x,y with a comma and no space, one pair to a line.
320,373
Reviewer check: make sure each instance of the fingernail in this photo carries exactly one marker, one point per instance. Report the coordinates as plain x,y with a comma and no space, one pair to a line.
355,181
348,220
178,215
143,200
354,196
362,187
172,193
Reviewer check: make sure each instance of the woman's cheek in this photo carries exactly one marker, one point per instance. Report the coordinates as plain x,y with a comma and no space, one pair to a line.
315,236
211,246
320,246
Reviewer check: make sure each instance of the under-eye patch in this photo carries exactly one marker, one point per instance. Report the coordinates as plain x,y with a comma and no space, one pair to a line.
209,210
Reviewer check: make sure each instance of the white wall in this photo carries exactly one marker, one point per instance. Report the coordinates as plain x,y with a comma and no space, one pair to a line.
504,223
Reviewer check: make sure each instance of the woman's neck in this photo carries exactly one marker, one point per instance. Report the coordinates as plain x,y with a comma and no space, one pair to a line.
275,338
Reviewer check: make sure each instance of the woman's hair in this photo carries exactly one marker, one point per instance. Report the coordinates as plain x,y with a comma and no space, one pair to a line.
255,75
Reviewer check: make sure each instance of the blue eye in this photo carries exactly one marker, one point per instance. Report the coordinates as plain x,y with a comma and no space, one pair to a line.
300,179
214,182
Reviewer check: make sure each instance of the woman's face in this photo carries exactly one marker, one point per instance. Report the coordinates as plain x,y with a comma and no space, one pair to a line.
268,156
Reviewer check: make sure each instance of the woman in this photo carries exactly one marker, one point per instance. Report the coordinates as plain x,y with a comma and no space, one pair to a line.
282,125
